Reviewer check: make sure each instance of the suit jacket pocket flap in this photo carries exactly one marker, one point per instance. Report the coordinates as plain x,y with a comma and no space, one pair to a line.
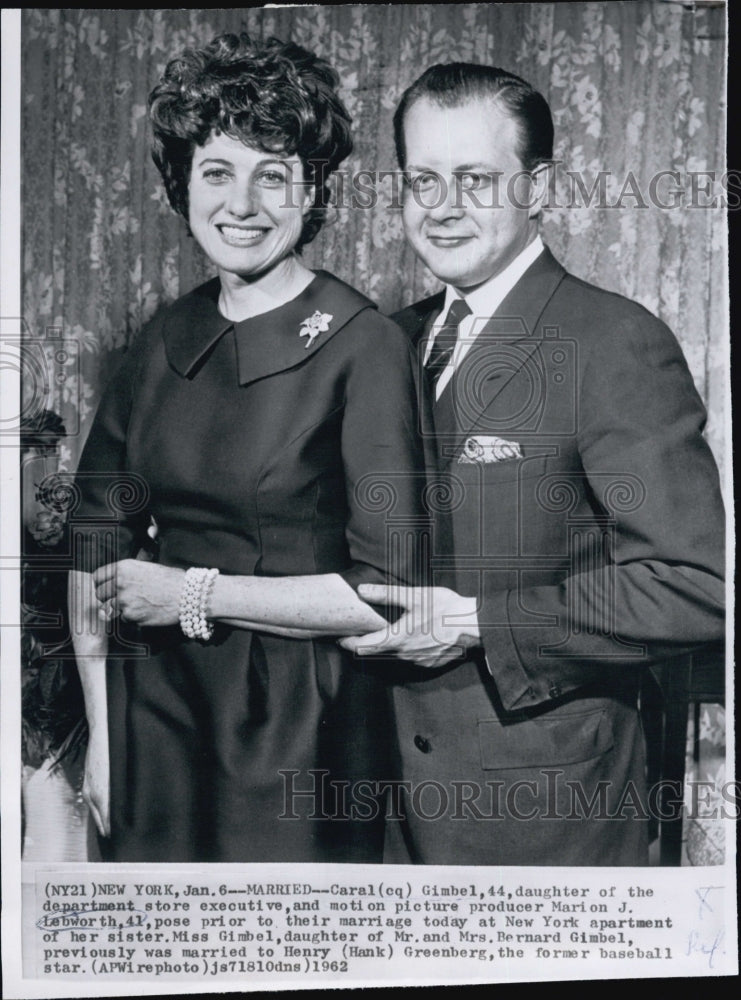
493,473
544,742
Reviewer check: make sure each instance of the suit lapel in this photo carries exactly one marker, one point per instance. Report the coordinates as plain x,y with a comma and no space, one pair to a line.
416,319
506,349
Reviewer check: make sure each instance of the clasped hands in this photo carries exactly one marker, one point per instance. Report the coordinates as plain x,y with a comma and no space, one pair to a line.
437,625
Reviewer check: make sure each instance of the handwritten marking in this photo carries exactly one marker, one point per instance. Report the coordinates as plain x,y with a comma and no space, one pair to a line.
696,945
702,894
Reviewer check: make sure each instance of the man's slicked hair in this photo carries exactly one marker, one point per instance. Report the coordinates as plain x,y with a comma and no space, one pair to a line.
450,85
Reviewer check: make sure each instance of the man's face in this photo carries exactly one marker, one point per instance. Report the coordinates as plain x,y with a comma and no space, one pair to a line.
468,210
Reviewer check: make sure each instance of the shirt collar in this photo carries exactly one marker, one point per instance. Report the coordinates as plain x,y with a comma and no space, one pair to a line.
486,299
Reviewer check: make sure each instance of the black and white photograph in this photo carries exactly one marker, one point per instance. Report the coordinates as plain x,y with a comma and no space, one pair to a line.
367,503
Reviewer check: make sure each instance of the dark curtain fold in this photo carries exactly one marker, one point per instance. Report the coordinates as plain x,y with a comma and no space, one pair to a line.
636,88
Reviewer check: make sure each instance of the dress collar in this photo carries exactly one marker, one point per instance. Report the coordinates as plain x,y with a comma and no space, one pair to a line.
266,344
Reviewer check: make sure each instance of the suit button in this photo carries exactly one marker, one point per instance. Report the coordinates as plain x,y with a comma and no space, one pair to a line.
422,744
555,691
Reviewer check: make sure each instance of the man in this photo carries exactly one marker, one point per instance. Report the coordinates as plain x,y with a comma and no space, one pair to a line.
584,512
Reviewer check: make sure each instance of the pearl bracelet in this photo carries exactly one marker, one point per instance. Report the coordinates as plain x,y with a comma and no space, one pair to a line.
194,600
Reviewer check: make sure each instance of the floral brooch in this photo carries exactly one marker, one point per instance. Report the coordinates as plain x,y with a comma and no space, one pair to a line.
312,326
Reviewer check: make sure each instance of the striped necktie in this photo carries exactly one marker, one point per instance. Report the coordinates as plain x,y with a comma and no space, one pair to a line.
445,341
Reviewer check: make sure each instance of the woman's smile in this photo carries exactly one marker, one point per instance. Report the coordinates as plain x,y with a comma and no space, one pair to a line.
241,236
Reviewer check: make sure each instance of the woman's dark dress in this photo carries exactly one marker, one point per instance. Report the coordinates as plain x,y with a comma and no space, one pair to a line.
257,454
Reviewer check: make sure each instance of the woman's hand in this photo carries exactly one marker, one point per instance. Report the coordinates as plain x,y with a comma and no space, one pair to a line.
96,784
141,592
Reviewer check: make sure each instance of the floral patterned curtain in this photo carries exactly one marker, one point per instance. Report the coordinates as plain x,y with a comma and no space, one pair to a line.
636,88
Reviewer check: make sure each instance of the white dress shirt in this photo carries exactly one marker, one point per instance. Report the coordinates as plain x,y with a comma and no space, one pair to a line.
483,302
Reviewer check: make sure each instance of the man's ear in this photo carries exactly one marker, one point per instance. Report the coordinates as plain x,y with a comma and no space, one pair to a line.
540,179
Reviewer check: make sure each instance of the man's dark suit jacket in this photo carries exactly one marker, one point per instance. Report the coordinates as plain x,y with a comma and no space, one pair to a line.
596,549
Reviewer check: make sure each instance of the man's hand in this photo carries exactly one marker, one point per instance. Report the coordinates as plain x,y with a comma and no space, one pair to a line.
437,626
141,592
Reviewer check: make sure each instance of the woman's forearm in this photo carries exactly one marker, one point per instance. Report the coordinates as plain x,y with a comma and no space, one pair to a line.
288,633
302,607
299,606
90,642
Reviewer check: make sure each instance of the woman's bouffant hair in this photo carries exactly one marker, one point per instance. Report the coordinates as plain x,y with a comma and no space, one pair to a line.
272,95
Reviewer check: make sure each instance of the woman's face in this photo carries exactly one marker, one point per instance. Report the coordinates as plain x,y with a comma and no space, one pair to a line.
246,207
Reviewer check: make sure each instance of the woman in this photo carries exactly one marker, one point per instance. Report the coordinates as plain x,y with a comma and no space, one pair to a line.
250,420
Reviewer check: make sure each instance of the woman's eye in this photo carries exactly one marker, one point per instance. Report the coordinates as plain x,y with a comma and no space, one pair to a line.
216,175
272,178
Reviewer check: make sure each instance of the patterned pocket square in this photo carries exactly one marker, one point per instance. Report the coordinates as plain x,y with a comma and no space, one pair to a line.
485,448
